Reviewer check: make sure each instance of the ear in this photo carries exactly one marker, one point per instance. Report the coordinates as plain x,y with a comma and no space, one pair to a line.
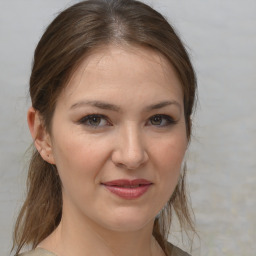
41,137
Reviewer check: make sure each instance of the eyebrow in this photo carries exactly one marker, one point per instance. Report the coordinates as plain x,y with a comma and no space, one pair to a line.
162,105
112,107
97,104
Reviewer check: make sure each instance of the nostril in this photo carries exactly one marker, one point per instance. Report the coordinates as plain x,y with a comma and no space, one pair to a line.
130,151
130,163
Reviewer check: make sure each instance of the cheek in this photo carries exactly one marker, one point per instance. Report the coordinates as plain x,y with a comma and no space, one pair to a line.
79,164
172,150
169,157
79,157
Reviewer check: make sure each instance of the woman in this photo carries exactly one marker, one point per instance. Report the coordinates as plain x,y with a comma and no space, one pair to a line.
112,92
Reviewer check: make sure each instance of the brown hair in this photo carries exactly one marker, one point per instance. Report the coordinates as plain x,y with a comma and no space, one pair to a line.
72,34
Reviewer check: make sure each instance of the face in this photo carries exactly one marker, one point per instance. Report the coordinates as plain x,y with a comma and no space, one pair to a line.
118,138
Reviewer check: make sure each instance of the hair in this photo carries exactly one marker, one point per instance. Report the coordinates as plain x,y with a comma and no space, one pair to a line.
67,40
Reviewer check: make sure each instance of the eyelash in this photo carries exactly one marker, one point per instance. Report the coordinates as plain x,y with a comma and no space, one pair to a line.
169,120
89,118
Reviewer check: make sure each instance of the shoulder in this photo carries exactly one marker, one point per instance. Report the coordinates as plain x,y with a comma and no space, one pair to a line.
37,252
175,251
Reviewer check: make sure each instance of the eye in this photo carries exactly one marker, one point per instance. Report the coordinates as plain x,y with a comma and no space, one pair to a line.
95,120
161,120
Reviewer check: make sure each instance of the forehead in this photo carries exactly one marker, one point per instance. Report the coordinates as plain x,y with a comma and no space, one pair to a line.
107,56
123,68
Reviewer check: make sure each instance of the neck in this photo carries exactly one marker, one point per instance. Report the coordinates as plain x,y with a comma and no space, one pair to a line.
73,238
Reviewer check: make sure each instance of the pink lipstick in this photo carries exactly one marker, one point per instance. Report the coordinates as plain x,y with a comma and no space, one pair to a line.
128,189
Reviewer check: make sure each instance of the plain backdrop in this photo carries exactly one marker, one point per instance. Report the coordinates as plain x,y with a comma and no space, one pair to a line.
220,36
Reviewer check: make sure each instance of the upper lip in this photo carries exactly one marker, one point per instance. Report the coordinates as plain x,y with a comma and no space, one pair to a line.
125,182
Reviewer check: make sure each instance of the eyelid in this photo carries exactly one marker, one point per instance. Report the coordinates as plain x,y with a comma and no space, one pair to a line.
84,119
167,119
170,120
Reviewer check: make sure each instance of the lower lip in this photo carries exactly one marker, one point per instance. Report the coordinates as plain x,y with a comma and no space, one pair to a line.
129,193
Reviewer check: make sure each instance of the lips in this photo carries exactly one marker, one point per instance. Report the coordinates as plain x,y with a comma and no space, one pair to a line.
128,189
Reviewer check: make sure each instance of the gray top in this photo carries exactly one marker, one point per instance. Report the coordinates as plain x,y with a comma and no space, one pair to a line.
175,251
38,252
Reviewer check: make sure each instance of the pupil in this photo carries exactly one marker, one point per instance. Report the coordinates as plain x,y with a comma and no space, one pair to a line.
157,120
95,120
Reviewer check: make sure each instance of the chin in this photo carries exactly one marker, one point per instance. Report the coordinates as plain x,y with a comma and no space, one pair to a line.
129,222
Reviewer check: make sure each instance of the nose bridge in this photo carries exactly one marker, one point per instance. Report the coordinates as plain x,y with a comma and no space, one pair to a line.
133,140
131,151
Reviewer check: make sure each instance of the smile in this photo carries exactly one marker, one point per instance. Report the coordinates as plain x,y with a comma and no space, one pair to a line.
128,189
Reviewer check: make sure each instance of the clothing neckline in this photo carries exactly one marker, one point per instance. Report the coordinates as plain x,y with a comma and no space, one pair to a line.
174,251
44,250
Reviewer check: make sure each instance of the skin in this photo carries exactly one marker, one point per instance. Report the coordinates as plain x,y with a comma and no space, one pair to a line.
130,142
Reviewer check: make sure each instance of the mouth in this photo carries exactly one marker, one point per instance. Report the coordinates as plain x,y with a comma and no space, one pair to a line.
128,189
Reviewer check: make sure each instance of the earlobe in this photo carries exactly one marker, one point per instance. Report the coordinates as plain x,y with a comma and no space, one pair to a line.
41,137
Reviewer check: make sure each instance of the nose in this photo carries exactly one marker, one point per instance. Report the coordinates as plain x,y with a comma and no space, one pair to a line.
130,152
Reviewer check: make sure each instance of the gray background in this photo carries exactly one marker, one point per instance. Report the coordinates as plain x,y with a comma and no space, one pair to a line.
221,39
